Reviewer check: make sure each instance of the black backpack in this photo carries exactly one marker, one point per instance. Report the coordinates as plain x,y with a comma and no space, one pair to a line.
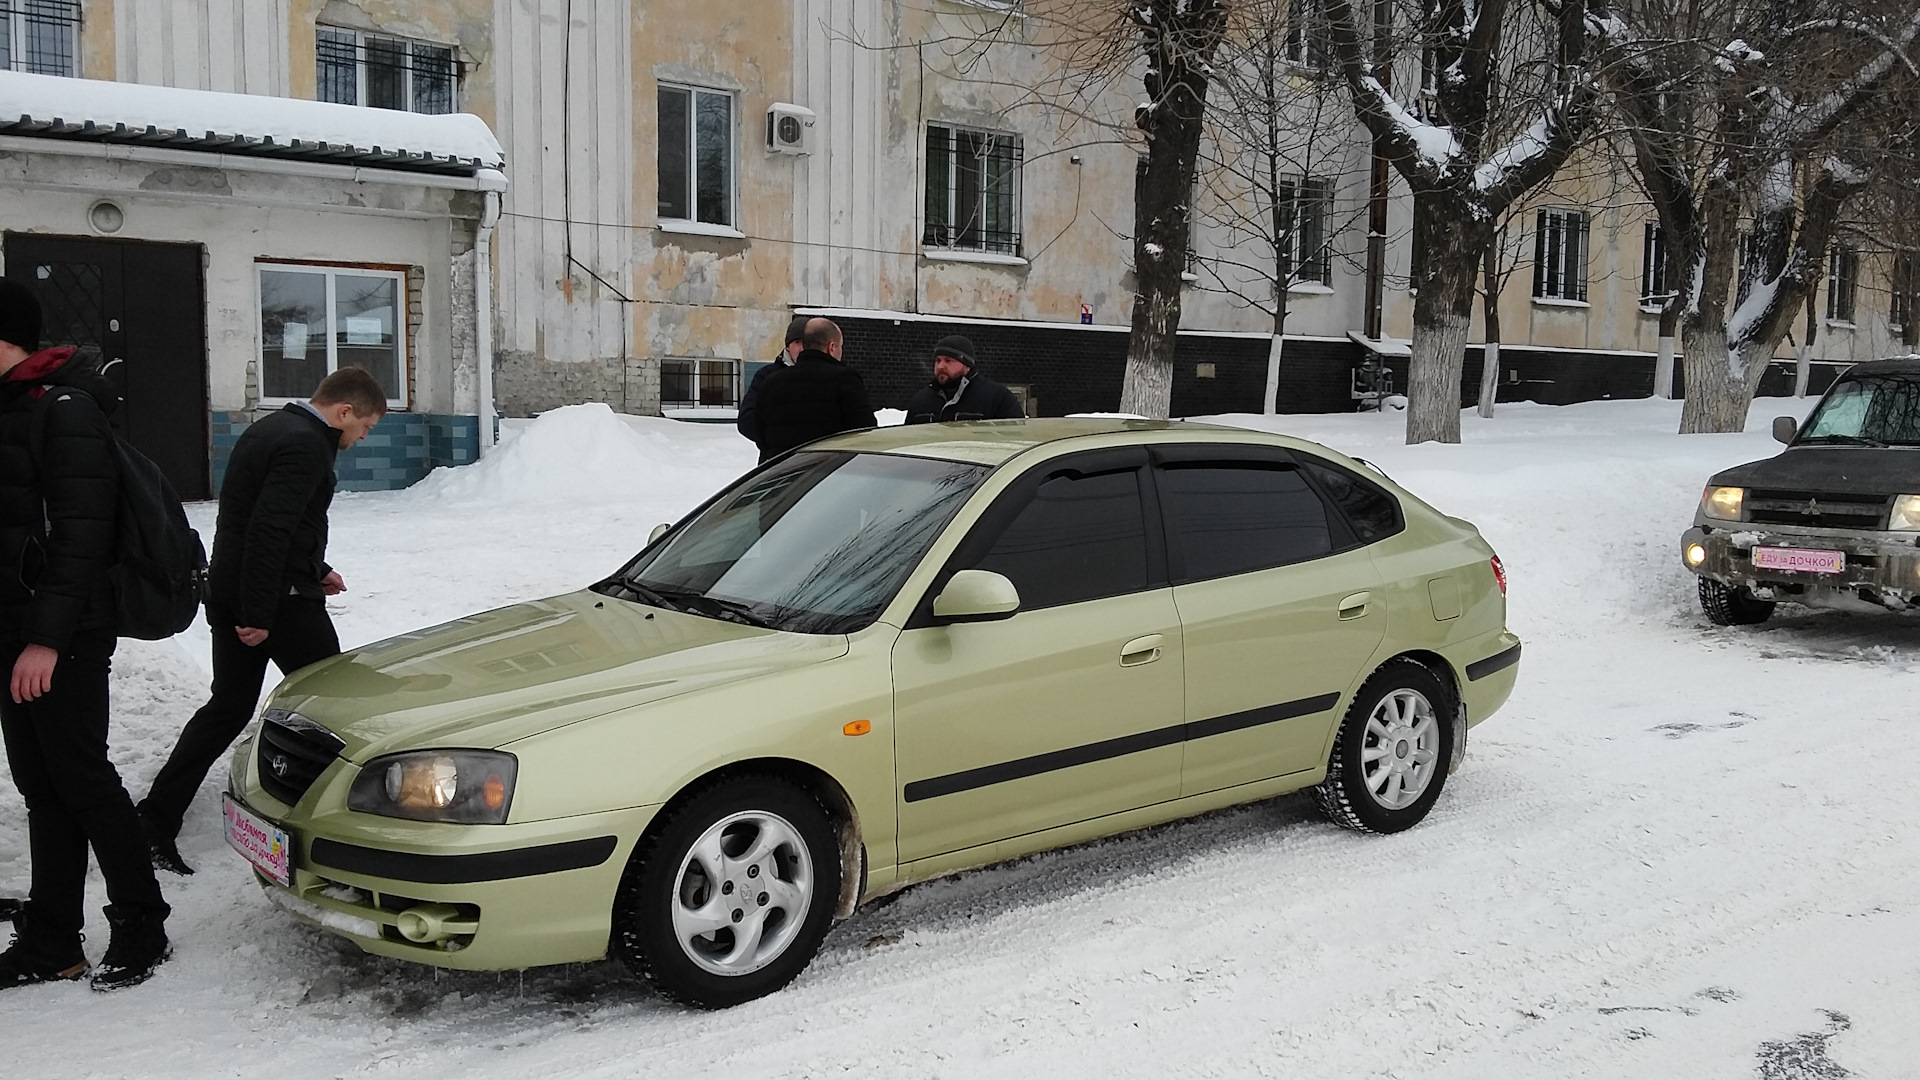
159,570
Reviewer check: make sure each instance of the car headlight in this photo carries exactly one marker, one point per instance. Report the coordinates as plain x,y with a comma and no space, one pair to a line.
1906,513
1723,502
473,787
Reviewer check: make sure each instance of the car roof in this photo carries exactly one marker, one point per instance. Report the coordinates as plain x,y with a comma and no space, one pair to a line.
994,442
1892,365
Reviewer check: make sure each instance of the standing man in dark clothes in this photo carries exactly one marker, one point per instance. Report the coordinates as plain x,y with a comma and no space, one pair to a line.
818,396
748,422
59,504
958,390
268,580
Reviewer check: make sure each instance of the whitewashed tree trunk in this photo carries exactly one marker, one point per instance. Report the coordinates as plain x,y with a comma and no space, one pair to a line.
1433,379
1270,404
1663,368
1489,378
1716,396
1802,369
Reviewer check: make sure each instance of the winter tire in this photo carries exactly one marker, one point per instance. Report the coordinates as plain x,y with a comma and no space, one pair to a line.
1729,605
728,899
1390,756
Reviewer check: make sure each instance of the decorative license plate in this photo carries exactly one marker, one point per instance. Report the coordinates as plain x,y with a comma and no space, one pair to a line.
1807,562
263,843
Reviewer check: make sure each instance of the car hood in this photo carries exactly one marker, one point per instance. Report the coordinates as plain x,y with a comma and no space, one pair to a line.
489,679
1842,470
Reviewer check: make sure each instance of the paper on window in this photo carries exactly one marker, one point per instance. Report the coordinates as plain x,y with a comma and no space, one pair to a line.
293,340
364,330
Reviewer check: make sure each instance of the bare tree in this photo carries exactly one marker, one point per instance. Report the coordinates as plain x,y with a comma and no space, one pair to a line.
1742,113
1504,98
1277,141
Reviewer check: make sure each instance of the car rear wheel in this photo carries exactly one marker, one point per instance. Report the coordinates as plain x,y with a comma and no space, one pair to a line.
1731,605
1391,754
729,898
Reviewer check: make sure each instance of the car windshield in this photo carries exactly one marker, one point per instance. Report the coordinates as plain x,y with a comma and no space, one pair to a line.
1871,410
817,543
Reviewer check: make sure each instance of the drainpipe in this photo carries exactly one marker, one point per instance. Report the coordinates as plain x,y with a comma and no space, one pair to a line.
483,315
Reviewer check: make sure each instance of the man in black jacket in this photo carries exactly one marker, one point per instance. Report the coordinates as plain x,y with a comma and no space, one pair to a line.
268,580
818,396
959,391
59,504
748,422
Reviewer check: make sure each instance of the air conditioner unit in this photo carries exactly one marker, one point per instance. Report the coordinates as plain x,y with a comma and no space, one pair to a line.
789,129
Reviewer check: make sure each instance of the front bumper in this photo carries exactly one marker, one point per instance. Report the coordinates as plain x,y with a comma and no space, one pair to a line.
1882,569
483,897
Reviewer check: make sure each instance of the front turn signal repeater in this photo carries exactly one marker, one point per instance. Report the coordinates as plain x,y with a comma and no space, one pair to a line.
857,727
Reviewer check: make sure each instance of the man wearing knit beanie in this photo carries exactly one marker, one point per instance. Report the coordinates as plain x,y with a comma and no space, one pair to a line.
19,317
959,391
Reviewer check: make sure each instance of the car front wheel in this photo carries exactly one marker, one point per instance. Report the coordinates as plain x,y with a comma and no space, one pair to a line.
1728,605
1391,754
729,898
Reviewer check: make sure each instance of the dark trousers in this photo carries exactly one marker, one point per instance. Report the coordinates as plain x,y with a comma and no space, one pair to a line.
57,749
302,634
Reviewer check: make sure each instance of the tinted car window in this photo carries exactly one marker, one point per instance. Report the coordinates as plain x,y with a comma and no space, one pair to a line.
1235,518
1372,512
1080,538
1871,408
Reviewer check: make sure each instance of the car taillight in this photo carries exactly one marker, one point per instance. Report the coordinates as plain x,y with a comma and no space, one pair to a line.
1499,574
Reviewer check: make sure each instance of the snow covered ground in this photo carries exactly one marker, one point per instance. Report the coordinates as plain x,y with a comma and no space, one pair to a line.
1679,852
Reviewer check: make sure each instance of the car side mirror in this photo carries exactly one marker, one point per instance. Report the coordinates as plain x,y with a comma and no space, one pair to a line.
659,531
976,596
1784,428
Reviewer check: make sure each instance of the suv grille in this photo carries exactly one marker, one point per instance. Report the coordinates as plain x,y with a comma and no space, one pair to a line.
1814,509
293,752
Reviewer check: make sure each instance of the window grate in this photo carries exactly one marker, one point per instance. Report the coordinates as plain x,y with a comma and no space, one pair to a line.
973,190
1843,274
40,37
1653,268
1560,255
699,384
385,72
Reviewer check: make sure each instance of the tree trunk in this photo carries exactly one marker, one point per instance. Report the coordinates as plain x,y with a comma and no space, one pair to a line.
1148,388
1442,314
1663,356
1716,397
1271,404
1490,356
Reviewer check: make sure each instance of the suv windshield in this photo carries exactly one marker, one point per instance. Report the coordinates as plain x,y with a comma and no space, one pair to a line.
815,544
1871,410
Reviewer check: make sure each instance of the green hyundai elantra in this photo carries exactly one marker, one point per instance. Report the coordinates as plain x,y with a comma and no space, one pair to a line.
883,657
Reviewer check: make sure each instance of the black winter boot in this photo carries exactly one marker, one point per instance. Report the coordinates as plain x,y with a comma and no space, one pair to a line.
164,849
10,907
34,958
138,945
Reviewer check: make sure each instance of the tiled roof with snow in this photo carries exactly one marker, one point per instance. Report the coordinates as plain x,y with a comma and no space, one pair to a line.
50,106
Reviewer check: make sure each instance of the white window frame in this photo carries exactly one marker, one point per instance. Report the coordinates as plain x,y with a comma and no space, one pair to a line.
403,362
1653,268
700,363
1308,43
14,18
692,222
1015,245
360,39
1843,285
1312,195
1561,286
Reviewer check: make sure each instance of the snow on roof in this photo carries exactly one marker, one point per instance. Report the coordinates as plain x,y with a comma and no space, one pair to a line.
92,109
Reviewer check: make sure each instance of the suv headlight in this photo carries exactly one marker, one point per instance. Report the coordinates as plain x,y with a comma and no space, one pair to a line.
473,787
1906,513
1723,503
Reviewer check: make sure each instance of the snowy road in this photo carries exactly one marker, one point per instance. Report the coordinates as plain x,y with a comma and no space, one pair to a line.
1680,851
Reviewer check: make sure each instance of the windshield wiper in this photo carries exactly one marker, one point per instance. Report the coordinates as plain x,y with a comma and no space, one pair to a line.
639,592
686,600
1845,440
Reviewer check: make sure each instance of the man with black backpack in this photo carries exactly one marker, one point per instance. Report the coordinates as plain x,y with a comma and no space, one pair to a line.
268,581
60,512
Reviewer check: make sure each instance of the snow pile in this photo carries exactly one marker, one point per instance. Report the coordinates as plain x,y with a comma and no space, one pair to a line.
582,453
197,113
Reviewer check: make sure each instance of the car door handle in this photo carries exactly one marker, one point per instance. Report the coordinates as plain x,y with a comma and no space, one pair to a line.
1355,606
1141,650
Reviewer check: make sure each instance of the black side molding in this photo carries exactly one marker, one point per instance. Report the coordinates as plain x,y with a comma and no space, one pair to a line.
1053,760
1499,661
463,869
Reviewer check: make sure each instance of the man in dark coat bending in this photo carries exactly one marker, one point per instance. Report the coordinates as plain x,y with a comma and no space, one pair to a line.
268,580
818,396
959,391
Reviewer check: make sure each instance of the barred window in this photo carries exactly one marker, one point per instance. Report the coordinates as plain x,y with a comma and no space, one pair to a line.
1560,255
699,384
1309,249
973,190
1653,268
696,155
1843,274
385,72
41,37
1309,41
1905,284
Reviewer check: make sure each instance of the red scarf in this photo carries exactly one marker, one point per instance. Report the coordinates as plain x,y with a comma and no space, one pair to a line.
39,366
